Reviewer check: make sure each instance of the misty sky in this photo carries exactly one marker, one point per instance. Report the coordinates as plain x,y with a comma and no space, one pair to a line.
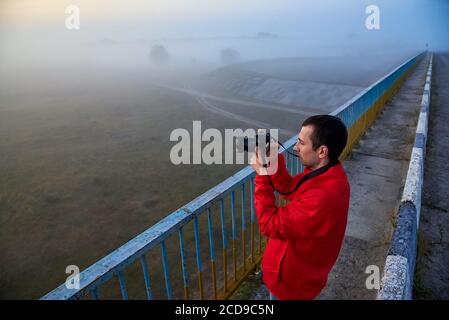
413,22
33,33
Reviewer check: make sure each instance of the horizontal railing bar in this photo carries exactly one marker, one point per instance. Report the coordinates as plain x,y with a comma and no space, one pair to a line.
103,270
361,93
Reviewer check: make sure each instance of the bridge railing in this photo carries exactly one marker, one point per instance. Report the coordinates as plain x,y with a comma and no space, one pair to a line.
236,236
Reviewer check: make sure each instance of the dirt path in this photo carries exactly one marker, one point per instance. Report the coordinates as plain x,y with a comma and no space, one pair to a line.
205,100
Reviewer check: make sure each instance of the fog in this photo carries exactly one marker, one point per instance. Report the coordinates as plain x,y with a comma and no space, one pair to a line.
115,34
35,43
112,34
86,114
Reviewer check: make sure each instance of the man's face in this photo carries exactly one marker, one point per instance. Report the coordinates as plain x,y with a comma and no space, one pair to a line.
304,148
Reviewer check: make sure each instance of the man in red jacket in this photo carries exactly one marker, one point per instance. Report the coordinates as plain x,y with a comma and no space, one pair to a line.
305,236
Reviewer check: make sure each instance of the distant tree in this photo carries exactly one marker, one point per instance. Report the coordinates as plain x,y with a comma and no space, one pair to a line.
265,35
229,55
159,54
108,41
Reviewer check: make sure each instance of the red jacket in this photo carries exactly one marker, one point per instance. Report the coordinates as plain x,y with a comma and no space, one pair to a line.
306,235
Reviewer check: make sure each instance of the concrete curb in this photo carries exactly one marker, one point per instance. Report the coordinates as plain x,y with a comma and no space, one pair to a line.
397,279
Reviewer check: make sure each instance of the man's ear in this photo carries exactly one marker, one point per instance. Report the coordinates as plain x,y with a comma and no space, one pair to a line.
323,152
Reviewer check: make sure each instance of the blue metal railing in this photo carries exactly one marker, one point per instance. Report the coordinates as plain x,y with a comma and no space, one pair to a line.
357,114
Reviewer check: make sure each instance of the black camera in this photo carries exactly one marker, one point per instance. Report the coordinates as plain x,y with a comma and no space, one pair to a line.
247,142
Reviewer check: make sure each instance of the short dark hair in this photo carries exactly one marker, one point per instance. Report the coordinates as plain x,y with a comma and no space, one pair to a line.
329,131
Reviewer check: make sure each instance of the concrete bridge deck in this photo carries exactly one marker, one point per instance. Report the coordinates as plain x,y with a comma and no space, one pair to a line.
376,169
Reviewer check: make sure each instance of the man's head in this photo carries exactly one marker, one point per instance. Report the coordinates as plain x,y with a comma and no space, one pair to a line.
321,140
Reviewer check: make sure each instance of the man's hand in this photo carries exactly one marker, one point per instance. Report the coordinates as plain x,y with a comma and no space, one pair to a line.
265,165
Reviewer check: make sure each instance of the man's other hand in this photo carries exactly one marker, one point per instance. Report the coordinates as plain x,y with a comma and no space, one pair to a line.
265,164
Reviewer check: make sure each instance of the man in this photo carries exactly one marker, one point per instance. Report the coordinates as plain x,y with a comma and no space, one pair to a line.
305,236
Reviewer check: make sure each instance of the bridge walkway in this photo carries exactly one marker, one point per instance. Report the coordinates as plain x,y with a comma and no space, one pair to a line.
376,168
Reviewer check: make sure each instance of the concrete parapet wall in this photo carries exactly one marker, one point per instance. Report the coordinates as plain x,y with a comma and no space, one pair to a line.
397,279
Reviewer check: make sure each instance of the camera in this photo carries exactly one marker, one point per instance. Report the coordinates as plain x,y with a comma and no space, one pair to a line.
262,141
247,142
